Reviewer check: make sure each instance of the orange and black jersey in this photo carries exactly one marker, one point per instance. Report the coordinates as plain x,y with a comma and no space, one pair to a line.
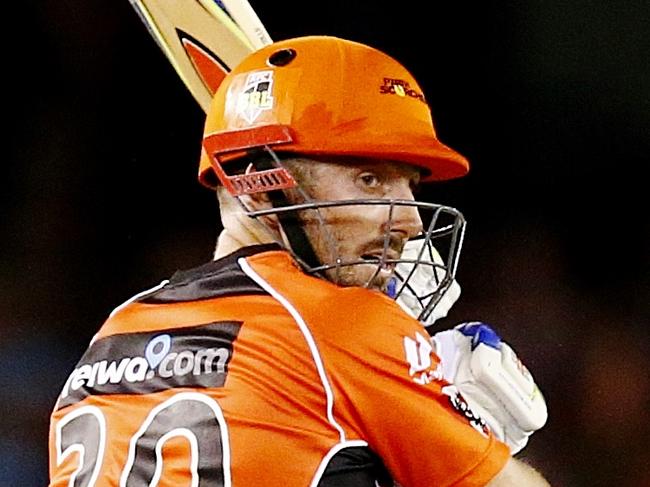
246,371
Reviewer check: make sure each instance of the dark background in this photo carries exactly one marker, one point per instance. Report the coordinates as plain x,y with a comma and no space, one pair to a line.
550,100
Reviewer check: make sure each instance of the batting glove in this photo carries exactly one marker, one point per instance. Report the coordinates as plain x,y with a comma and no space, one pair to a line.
493,381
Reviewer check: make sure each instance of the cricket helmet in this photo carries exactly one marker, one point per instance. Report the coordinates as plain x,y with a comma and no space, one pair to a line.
321,96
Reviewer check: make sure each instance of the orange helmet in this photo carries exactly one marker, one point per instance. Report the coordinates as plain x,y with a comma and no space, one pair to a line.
321,95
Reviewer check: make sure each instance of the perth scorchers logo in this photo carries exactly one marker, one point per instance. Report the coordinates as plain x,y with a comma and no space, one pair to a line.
400,88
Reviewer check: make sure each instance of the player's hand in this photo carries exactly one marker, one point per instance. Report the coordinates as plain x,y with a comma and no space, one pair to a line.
493,381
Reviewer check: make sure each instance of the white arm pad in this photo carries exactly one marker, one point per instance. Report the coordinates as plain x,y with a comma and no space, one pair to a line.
493,381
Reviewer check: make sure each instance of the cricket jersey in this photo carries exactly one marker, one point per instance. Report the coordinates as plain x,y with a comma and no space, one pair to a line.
246,371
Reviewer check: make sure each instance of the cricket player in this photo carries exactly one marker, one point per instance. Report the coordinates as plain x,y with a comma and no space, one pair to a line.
299,355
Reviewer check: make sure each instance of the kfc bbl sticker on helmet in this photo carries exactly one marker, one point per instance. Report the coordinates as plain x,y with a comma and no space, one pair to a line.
255,96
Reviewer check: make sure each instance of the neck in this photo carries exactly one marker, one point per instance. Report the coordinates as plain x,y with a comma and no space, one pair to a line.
240,231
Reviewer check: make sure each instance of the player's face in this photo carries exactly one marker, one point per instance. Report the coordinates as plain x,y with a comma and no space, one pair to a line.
353,233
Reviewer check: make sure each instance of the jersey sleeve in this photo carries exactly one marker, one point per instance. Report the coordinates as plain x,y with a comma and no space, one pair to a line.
390,392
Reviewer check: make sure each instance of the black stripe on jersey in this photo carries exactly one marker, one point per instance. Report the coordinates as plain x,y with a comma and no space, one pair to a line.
355,466
146,362
215,279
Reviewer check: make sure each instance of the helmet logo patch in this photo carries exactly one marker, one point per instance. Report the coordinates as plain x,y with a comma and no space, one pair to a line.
400,88
255,96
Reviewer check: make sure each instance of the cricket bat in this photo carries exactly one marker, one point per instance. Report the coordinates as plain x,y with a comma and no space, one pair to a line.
203,39
244,15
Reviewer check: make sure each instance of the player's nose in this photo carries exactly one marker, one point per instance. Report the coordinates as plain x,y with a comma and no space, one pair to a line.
404,219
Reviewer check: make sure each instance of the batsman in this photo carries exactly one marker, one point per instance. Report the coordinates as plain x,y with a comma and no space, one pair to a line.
300,355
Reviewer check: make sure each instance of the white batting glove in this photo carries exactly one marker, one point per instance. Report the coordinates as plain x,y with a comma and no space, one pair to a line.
493,381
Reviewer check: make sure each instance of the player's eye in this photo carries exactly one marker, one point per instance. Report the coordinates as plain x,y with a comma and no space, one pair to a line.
369,180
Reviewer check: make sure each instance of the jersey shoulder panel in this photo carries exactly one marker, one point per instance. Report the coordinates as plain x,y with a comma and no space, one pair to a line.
187,298
219,278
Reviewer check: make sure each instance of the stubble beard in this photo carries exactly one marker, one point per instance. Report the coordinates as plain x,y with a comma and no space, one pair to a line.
358,275
328,250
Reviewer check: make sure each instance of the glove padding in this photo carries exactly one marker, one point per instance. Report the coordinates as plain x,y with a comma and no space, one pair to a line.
493,381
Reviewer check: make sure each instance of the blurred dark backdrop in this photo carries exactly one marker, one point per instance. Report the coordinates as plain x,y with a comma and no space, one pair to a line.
550,100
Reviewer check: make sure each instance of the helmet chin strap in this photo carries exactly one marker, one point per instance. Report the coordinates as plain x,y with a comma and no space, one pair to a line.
290,222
